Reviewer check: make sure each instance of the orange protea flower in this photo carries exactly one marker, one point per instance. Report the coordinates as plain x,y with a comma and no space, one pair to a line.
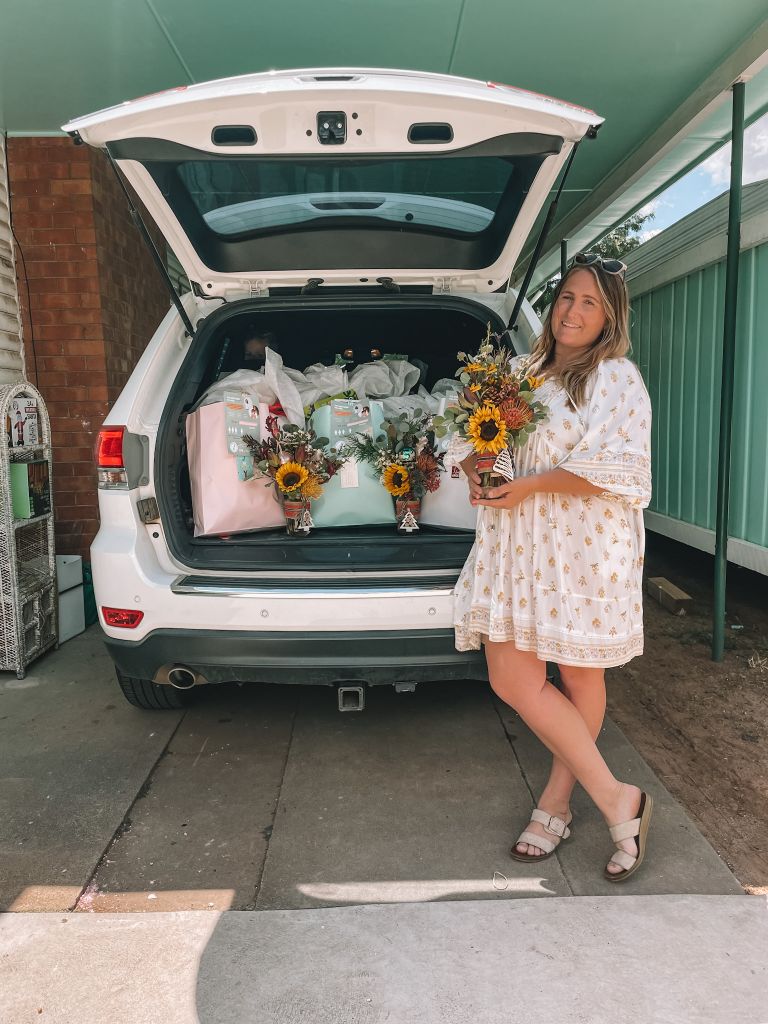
312,488
516,413
429,467
487,430
290,477
397,480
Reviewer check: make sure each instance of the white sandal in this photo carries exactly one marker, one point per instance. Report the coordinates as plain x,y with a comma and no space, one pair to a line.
552,824
636,829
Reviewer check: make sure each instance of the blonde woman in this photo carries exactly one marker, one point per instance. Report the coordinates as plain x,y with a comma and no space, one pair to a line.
556,570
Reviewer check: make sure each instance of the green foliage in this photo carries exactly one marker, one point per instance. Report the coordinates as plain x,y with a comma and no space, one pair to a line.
615,245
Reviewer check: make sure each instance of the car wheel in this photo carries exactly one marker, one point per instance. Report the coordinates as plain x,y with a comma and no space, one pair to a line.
143,693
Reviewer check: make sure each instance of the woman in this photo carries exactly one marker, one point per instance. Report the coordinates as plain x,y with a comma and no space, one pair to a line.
556,570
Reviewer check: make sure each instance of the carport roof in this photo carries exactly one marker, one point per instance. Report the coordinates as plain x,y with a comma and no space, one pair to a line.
659,72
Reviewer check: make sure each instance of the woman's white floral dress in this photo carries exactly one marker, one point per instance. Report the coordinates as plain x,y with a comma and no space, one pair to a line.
559,574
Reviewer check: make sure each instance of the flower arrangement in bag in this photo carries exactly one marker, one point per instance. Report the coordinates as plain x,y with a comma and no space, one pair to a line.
404,455
497,406
294,459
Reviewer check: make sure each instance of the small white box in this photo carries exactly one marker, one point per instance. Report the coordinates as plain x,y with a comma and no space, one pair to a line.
71,613
69,571
22,422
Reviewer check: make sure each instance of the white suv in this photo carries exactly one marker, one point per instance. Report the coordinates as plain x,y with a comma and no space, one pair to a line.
343,208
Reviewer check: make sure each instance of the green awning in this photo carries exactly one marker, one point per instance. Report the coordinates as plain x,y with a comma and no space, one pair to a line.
659,72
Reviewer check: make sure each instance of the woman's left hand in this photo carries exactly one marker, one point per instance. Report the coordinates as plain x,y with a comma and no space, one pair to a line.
507,496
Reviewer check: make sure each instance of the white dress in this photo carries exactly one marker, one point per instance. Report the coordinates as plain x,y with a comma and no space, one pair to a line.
559,574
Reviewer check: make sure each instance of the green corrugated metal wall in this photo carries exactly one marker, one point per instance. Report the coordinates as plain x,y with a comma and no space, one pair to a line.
677,333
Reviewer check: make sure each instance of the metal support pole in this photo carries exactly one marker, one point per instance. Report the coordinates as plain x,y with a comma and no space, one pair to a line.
729,353
563,257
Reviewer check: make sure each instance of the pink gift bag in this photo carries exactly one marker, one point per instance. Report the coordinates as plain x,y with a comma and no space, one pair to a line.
221,503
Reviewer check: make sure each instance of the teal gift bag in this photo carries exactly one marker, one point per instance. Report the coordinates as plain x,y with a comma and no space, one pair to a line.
355,496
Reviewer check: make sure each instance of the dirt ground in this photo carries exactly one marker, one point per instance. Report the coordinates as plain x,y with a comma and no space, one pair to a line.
702,725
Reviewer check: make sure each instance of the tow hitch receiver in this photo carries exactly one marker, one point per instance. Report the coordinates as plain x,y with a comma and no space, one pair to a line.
351,698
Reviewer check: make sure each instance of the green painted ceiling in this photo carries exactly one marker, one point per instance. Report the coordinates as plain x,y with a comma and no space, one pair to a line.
650,68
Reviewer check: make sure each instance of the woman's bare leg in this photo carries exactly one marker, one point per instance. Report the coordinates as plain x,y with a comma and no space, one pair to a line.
585,689
519,678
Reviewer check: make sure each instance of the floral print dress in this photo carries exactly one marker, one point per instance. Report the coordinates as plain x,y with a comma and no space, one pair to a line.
561,575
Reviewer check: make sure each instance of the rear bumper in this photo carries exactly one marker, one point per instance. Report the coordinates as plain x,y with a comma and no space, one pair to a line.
320,658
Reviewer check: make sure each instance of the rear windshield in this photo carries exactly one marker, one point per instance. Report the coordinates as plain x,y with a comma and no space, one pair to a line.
459,194
442,209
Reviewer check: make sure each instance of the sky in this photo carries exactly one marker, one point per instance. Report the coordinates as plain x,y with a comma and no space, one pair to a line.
708,180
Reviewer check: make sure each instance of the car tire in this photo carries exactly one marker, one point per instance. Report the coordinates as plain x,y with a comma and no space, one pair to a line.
149,696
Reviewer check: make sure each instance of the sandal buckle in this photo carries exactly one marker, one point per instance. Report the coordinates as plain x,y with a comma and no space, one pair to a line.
563,826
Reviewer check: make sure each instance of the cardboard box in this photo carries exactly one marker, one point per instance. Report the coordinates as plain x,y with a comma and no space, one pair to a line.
30,489
22,423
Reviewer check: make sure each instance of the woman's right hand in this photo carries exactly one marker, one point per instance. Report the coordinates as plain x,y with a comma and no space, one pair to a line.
473,477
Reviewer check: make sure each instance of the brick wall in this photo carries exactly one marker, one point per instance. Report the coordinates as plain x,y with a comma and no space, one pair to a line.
90,297
133,296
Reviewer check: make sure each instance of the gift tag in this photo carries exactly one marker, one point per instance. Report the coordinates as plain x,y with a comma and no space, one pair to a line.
244,464
348,474
505,464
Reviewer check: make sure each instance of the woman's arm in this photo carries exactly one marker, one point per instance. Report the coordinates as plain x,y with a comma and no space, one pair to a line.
554,481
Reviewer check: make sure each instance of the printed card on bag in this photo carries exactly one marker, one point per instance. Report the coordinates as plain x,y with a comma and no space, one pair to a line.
348,417
241,417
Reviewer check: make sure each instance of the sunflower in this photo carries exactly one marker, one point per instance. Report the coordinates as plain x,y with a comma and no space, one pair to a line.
487,430
396,479
534,382
290,477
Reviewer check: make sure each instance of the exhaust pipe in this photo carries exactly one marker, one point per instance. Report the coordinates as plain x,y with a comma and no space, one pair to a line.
181,677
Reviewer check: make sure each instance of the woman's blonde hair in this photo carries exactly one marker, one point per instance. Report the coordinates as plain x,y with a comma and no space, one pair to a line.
613,341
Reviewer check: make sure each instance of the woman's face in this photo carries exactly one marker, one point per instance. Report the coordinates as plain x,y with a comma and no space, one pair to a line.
578,316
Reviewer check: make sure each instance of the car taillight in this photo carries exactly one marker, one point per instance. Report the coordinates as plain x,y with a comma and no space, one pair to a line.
125,618
109,458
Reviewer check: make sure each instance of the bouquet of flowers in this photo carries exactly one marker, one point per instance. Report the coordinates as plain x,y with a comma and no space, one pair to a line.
497,409
297,464
407,460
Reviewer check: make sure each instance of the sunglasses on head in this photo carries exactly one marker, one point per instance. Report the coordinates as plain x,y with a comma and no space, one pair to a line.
592,259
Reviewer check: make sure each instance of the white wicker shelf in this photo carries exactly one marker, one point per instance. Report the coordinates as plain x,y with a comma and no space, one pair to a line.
28,594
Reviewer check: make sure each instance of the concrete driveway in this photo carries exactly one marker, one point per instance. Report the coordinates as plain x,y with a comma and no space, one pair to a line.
394,823
271,799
